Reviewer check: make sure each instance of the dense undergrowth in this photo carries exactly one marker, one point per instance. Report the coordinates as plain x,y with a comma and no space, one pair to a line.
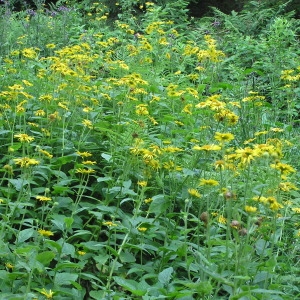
152,157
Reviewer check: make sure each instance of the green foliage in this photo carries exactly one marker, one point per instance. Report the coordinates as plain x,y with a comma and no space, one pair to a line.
151,157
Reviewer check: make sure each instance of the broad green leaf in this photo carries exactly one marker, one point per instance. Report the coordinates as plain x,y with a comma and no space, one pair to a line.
65,278
159,204
45,257
107,157
18,183
25,234
129,285
165,276
127,257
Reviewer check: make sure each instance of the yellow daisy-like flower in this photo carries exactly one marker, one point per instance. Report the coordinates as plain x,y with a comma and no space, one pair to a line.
207,148
109,223
43,198
224,137
9,265
246,155
24,138
287,186
46,153
148,200
85,171
222,219
89,162
211,182
194,193
284,169
84,154
250,209
26,162
45,232
48,294
141,110
50,46
142,183
87,123
40,113
26,82
142,229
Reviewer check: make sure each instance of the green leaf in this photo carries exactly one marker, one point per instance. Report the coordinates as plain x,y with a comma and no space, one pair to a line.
18,183
263,291
101,259
129,285
25,234
97,294
68,221
165,276
107,157
45,257
159,204
127,257
65,278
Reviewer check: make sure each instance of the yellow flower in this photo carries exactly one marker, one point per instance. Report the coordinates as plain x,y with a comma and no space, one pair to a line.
220,164
142,110
39,112
85,171
89,162
29,53
211,182
296,210
24,138
50,46
224,137
194,193
27,83
48,294
25,162
250,209
148,200
142,183
222,219
87,123
43,198
284,169
9,265
45,232
81,253
142,229
109,223
277,129
287,186
172,149
63,105
171,166
46,153
46,97
187,109
211,147
246,155
84,154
